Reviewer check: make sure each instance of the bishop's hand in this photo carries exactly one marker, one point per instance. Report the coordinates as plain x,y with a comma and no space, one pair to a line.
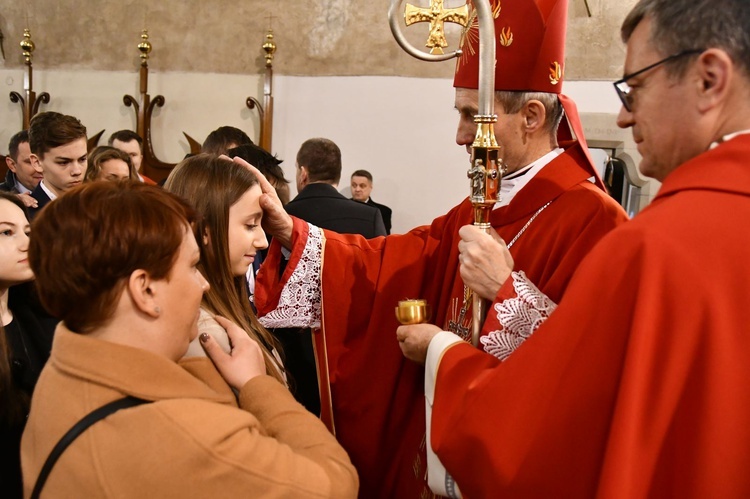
485,262
276,221
415,339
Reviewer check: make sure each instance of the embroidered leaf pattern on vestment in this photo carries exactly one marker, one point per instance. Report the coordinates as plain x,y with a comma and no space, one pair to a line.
519,317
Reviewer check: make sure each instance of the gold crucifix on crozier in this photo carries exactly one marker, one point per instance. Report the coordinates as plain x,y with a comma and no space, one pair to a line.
436,15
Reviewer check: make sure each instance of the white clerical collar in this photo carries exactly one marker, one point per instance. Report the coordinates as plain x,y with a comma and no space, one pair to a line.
727,137
51,195
514,182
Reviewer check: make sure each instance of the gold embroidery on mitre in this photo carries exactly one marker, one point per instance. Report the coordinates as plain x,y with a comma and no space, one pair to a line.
470,33
555,73
506,37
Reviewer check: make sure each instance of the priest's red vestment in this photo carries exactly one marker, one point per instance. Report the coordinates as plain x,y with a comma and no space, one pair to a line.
637,385
377,395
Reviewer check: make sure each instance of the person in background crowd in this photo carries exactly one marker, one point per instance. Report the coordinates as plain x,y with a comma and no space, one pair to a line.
361,184
58,148
109,163
319,202
268,164
131,144
22,176
223,139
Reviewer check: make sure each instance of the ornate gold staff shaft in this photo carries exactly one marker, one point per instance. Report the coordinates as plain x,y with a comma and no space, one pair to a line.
485,182
485,169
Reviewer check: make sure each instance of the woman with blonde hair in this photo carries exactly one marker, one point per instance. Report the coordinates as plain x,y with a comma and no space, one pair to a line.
226,196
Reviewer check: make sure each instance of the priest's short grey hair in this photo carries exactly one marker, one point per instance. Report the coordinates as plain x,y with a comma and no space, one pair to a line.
512,102
680,25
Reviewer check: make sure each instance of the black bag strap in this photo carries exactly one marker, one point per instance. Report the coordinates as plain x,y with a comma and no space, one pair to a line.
76,430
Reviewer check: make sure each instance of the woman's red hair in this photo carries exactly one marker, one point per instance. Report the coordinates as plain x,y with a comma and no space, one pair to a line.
85,244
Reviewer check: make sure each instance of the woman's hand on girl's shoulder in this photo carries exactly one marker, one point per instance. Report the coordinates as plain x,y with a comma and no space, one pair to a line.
245,359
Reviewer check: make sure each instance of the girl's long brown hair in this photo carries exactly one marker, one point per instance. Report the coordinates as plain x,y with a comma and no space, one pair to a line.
212,185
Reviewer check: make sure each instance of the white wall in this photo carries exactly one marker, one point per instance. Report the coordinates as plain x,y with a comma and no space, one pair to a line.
195,103
400,129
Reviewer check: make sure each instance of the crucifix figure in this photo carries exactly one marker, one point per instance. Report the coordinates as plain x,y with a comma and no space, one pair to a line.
436,15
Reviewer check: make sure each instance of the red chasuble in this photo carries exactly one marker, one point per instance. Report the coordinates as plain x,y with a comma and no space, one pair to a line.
637,385
377,395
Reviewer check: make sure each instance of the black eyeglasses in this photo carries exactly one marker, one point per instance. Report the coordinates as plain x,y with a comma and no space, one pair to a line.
623,89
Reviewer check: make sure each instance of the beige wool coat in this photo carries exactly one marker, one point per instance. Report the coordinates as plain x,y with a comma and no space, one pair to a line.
193,441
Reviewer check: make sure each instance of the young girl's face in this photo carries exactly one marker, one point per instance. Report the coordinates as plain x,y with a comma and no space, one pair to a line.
14,245
246,236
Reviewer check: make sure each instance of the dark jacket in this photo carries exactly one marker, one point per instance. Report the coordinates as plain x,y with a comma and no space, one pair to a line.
322,205
9,184
42,199
385,212
29,341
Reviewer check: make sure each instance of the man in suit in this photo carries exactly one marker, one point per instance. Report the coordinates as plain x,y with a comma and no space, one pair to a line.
320,203
22,176
361,189
59,149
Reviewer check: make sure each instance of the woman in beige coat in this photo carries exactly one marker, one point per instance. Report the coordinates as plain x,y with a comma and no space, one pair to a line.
117,263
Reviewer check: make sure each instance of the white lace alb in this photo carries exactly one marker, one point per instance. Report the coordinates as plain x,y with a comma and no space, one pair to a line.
299,304
519,317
